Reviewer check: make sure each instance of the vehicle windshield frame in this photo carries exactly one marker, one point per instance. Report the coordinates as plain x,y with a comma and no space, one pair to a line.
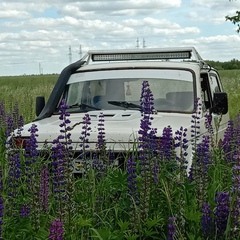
178,75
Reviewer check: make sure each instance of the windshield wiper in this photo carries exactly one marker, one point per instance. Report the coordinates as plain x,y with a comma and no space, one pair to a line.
84,105
125,104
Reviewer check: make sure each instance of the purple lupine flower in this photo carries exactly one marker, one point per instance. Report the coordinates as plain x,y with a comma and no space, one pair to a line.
235,213
171,228
56,230
147,136
166,144
237,131
58,169
228,142
31,145
202,160
10,125
132,179
181,142
64,137
64,114
111,156
2,116
100,155
208,123
1,207
146,99
31,155
1,214
101,145
44,189
24,211
64,125
203,153
222,212
61,150
14,175
195,135
62,162
1,179
84,138
15,114
196,120
206,220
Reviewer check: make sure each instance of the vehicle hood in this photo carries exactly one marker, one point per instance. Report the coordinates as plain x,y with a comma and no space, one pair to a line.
120,126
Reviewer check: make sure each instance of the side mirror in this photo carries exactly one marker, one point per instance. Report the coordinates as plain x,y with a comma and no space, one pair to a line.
220,103
40,103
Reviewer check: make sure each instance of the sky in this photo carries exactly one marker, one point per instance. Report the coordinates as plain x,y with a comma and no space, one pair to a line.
35,36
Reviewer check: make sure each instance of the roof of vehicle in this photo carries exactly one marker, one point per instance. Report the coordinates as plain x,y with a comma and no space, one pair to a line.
147,57
139,65
143,53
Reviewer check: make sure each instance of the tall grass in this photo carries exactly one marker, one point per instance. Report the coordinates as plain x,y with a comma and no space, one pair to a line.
231,83
24,90
151,198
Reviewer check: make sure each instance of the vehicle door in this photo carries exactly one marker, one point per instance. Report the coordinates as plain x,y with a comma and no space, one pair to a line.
210,85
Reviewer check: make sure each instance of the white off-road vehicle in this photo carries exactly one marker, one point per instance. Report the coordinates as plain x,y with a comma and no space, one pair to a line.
110,82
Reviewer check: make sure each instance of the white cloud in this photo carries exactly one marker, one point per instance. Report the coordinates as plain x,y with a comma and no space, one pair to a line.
212,11
41,31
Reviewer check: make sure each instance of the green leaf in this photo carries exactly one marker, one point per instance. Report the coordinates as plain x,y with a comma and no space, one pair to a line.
153,222
84,222
123,225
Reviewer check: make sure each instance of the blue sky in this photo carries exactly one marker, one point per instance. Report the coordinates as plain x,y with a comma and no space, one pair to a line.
39,33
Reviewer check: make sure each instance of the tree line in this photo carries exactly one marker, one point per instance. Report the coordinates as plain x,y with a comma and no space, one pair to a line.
232,64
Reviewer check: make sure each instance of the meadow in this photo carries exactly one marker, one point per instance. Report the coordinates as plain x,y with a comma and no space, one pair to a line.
24,90
151,198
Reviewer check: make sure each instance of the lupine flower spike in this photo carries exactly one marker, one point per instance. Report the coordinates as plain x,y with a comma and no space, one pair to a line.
1,215
44,189
171,228
62,163
206,221
146,137
222,212
56,231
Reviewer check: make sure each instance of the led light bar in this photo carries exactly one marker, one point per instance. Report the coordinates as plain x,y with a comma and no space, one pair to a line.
140,56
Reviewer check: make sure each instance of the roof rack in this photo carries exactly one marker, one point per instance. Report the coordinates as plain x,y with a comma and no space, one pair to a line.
180,53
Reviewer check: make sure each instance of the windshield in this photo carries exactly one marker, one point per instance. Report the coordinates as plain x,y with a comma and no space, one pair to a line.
172,90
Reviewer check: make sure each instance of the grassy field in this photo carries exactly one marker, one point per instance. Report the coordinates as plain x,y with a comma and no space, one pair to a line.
231,84
24,89
151,198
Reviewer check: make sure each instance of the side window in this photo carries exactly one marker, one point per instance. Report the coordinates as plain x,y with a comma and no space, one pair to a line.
214,84
210,85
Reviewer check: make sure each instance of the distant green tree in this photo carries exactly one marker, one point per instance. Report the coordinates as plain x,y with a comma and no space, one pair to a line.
229,65
235,19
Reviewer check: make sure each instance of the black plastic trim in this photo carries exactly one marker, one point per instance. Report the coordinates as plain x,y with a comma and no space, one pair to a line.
58,89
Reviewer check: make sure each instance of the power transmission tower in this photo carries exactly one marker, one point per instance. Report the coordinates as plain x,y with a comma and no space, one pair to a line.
80,51
70,55
40,69
137,46
144,45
